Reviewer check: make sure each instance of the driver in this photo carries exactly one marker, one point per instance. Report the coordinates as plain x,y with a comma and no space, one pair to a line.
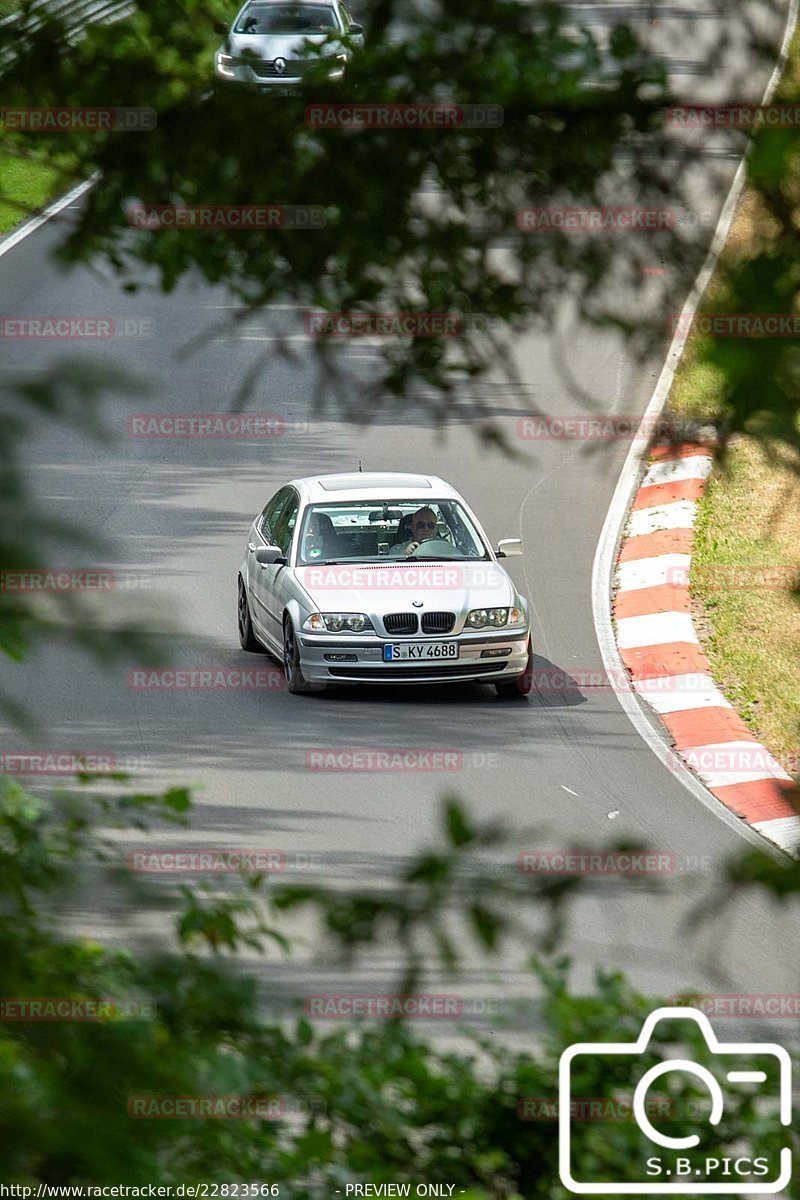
423,529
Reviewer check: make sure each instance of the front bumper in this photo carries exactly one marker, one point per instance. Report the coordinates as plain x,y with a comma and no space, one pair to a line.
367,665
245,75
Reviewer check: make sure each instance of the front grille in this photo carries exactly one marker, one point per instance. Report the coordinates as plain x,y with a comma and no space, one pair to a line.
438,622
266,70
400,622
432,672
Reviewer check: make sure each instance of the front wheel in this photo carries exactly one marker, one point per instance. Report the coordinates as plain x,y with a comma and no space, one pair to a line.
520,685
247,639
296,682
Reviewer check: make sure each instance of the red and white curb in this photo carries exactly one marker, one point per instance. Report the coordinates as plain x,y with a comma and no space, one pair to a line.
659,646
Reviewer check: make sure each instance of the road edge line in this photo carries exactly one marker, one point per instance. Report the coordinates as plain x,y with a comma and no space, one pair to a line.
20,232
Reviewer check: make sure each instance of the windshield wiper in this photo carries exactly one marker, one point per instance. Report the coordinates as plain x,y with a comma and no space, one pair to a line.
327,562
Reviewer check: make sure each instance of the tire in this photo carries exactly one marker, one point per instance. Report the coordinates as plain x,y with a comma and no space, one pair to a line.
247,639
520,685
296,682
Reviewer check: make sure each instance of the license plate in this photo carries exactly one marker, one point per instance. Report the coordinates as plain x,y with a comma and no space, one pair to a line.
419,651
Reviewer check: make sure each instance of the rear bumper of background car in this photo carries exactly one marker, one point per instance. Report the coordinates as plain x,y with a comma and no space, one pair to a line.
482,656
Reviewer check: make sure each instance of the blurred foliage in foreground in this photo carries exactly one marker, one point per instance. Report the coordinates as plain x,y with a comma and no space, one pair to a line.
751,384
370,1101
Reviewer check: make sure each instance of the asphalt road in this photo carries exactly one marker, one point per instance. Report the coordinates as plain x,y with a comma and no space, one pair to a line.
175,514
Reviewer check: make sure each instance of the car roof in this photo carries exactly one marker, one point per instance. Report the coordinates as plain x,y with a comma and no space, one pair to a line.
373,485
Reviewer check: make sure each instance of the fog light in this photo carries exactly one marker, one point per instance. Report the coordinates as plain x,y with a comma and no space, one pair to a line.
341,657
496,653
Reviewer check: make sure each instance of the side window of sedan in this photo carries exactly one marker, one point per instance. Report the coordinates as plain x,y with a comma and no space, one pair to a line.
286,521
269,517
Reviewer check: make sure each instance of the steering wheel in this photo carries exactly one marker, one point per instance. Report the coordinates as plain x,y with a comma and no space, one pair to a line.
438,547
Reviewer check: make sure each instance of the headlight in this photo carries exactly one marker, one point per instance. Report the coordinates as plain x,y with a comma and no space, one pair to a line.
477,618
224,63
494,618
338,622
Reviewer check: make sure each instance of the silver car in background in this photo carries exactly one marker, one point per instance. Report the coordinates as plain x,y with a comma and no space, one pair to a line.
273,43
381,578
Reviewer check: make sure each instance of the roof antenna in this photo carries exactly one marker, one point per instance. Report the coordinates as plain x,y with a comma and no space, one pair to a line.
360,466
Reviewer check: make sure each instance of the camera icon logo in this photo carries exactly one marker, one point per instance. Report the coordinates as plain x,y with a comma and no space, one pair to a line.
689,1164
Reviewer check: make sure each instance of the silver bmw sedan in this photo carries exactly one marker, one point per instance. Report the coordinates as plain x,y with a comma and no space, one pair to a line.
381,578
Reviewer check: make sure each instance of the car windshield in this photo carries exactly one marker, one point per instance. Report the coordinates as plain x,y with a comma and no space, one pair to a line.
287,18
375,530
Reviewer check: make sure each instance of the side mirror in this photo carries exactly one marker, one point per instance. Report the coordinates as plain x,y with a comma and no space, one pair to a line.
355,29
509,548
220,27
268,556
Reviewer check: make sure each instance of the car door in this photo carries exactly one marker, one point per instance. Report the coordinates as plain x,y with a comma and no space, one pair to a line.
272,576
262,533
276,579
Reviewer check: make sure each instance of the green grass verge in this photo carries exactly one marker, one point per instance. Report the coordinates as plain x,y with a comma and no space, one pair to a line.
25,185
748,529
